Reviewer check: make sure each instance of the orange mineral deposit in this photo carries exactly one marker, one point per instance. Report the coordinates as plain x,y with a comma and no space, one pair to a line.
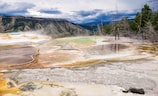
4,87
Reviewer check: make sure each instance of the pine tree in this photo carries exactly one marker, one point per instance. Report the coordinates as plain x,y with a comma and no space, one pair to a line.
146,14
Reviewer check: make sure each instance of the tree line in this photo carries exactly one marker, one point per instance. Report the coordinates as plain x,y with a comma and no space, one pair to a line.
144,26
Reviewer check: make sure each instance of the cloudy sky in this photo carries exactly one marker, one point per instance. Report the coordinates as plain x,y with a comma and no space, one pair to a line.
77,11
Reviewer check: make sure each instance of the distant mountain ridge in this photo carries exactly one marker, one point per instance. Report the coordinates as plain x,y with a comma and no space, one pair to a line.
49,26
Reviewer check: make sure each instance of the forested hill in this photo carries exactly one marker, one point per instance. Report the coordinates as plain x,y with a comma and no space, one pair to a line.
53,27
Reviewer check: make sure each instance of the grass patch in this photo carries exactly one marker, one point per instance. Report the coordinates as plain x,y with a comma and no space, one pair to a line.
76,40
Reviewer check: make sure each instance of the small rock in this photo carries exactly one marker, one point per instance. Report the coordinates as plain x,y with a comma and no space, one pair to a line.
29,87
135,90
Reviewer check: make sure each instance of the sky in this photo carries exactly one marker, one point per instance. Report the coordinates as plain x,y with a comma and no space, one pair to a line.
77,11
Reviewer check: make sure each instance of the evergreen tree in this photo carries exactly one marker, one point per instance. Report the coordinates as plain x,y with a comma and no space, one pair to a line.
135,25
107,29
146,14
141,21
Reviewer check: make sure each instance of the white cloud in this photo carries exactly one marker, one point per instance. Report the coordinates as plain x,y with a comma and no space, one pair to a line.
68,8
76,5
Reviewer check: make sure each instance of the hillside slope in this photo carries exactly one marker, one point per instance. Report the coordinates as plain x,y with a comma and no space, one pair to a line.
53,27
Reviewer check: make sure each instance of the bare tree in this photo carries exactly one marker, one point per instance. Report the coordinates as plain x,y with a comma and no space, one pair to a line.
150,33
117,29
124,27
114,27
99,29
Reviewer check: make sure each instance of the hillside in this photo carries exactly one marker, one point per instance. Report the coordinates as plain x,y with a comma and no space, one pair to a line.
48,26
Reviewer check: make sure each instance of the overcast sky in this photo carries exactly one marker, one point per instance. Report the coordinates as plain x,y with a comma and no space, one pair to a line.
74,10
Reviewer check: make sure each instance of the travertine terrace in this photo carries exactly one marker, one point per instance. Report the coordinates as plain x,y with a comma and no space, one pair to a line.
38,65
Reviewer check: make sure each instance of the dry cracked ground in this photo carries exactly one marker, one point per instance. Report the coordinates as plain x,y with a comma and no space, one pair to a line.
37,65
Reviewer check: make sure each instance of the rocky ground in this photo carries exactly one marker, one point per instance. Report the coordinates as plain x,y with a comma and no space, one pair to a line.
129,74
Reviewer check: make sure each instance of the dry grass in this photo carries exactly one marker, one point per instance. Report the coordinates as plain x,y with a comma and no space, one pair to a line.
152,49
7,46
83,63
5,36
